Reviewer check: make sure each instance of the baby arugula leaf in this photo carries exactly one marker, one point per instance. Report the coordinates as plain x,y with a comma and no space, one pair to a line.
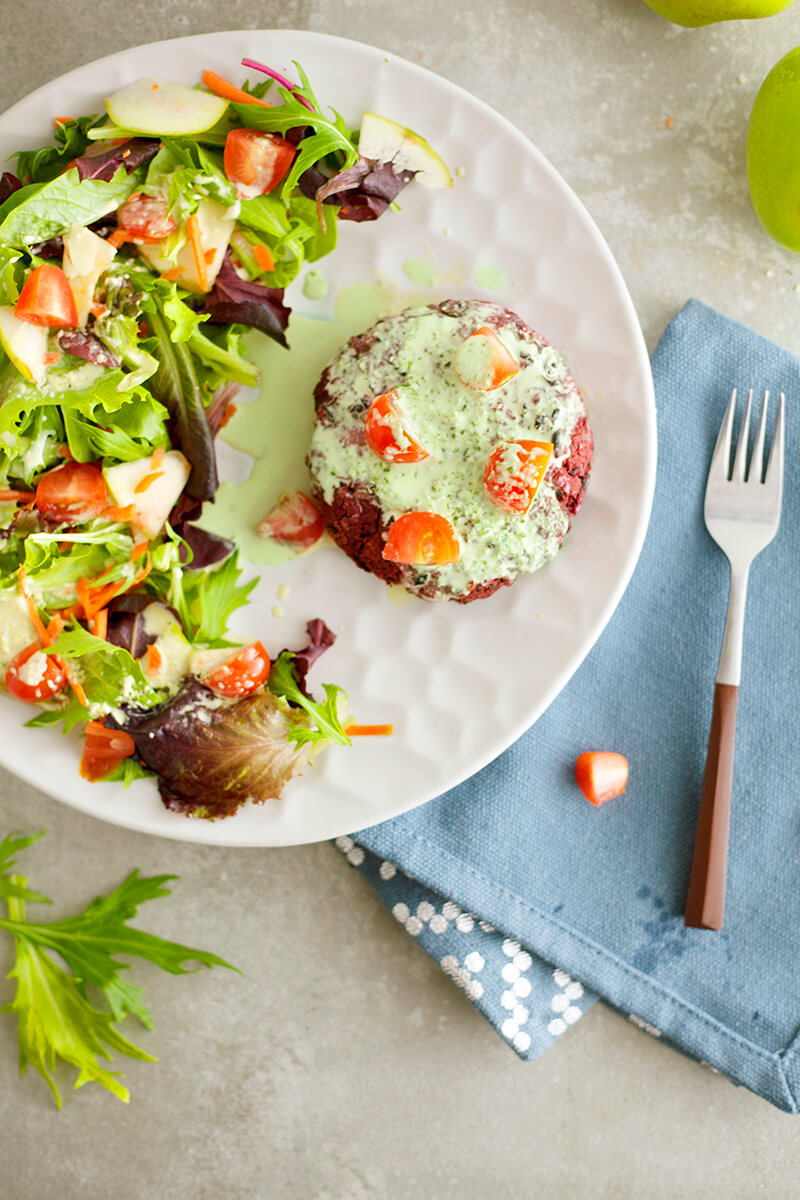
327,726
56,1017
330,134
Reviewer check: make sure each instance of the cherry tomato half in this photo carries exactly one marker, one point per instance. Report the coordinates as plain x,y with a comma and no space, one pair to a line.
514,472
34,676
601,775
242,674
295,522
483,363
256,162
388,434
422,539
75,493
103,750
146,218
47,298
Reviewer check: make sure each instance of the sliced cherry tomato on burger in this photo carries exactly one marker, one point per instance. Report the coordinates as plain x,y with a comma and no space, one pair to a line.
103,750
514,472
422,539
483,363
601,775
146,218
47,298
242,674
295,522
256,162
388,433
34,676
75,493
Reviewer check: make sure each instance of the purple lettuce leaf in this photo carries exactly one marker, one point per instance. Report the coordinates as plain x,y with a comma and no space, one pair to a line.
8,185
320,639
370,186
97,163
125,625
207,548
234,300
211,756
88,347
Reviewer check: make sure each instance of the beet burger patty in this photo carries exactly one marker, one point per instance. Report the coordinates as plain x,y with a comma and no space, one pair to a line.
450,450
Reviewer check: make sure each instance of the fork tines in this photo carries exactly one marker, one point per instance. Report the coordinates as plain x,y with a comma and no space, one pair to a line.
739,469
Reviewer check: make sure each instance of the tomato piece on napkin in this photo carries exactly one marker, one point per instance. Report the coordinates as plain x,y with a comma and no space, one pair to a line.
601,775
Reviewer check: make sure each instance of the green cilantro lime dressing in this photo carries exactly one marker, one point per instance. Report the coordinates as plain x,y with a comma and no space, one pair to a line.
491,278
315,286
275,428
414,353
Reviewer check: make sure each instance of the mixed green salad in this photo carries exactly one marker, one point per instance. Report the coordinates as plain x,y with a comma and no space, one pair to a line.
134,252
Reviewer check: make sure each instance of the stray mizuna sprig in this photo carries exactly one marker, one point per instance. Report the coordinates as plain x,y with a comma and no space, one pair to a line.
70,1015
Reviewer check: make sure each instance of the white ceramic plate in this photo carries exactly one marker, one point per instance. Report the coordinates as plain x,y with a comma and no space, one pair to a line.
431,669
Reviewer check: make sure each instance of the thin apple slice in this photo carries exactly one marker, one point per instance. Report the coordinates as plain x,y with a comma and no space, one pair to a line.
24,343
86,256
151,489
386,141
153,106
214,230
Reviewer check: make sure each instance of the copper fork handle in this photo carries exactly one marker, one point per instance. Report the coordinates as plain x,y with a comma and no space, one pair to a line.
705,902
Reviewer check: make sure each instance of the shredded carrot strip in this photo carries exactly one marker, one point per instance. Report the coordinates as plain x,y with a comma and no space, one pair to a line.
209,256
73,682
13,494
157,457
97,310
230,410
51,357
220,87
263,257
61,120
145,481
33,611
113,513
193,231
369,730
55,626
138,550
100,624
154,659
118,238
172,274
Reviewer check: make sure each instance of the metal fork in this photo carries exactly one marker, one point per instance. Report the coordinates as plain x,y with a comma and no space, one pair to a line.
742,514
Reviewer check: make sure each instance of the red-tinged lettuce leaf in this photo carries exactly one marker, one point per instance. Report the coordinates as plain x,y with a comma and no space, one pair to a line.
218,408
86,346
101,160
211,756
234,300
8,185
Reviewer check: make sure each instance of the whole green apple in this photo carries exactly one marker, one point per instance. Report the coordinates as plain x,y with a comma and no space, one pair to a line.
773,152
707,12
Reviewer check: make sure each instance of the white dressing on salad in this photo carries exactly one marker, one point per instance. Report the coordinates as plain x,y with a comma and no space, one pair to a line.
16,628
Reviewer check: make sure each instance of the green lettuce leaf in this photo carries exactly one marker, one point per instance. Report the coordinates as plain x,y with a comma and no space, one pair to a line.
42,210
327,725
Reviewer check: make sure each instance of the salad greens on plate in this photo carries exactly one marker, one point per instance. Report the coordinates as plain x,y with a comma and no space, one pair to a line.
134,252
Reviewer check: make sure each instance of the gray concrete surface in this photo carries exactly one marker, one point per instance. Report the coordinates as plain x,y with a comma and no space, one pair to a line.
344,1066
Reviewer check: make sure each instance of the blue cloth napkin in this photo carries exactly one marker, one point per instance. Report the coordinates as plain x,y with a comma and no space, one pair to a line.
596,895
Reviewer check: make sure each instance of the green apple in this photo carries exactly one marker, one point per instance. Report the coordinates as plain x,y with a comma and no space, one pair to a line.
154,106
24,343
707,12
773,152
386,141
215,231
153,503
